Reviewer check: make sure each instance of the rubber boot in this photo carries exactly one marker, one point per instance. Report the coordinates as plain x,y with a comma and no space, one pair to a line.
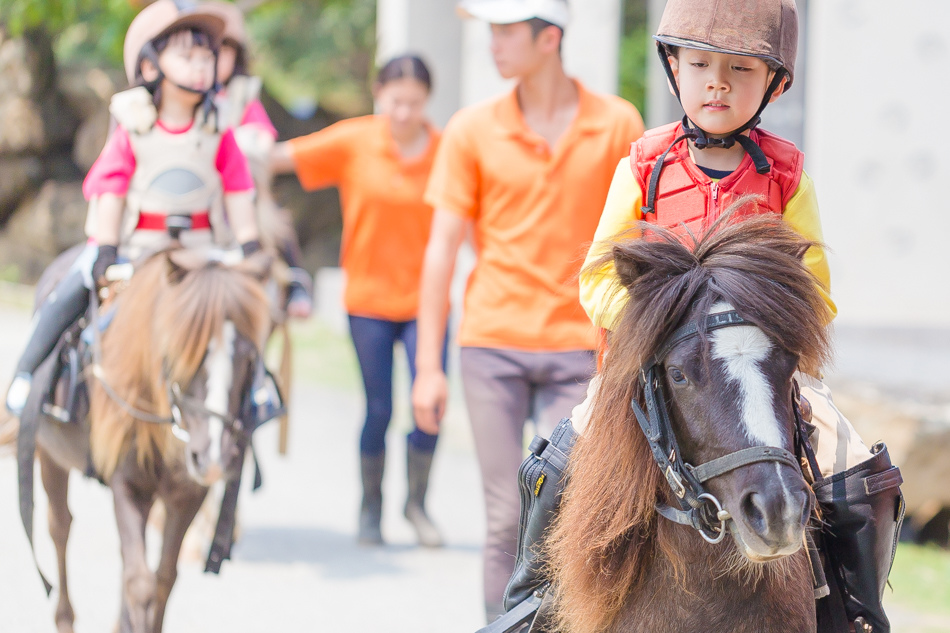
418,465
371,508
862,509
542,481
61,309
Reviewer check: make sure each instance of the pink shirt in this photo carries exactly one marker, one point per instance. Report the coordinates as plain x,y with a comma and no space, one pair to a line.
112,171
256,114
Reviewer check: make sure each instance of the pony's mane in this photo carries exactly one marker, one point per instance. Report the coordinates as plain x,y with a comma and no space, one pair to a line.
163,324
607,532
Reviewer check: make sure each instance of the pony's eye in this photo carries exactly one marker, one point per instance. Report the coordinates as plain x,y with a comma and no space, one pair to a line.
677,376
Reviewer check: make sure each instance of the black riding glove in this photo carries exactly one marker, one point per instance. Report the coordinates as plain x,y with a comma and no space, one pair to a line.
249,248
108,255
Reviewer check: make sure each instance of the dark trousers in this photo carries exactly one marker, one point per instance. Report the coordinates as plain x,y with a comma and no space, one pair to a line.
374,340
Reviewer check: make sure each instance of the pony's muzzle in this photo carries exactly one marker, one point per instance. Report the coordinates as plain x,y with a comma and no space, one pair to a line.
206,470
771,519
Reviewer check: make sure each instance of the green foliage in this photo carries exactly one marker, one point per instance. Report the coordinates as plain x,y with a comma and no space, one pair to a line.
322,52
634,53
921,580
91,29
318,51
635,49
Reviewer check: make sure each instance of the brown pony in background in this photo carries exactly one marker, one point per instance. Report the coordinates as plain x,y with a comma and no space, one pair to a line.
617,565
183,328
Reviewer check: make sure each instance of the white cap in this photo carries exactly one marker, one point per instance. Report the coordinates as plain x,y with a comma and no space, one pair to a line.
511,11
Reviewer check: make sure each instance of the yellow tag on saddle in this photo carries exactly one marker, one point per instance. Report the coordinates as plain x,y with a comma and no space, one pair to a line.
537,486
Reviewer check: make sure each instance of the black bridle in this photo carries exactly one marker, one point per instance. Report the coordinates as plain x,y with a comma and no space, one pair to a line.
698,509
177,402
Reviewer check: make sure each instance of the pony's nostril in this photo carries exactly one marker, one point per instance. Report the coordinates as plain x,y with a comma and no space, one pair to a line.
196,459
806,505
754,512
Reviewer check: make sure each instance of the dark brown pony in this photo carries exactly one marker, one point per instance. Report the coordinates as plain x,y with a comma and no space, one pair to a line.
185,330
617,564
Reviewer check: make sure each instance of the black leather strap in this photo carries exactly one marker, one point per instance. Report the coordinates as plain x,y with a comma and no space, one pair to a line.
744,457
712,322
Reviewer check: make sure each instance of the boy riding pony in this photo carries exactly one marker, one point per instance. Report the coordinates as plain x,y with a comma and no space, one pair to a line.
726,61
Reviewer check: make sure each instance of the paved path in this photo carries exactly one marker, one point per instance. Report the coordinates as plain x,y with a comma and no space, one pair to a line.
296,566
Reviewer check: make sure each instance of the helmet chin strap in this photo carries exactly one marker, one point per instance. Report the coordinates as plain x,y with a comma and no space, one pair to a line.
702,139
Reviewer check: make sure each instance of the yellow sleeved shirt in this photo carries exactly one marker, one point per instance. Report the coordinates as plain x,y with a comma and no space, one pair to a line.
599,290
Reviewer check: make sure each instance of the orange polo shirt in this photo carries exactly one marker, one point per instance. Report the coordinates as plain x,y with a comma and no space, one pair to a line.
535,210
385,222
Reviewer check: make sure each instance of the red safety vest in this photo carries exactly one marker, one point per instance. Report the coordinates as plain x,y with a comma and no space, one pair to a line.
685,195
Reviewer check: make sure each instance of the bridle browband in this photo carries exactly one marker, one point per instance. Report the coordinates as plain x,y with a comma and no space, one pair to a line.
698,508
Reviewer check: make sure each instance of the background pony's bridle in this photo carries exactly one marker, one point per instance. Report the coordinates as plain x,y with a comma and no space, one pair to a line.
698,509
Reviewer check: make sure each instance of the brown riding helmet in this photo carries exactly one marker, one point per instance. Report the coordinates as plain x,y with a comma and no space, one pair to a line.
162,17
233,17
767,29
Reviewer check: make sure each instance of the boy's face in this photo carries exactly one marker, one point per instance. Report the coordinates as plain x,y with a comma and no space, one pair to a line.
184,63
721,92
517,52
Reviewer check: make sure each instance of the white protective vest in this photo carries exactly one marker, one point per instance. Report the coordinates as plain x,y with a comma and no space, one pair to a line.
276,225
241,92
175,174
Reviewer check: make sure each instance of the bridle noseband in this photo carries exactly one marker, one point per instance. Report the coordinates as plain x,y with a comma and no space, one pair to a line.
699,509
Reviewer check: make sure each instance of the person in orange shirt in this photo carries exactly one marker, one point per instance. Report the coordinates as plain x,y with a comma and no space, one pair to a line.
381,164
529,172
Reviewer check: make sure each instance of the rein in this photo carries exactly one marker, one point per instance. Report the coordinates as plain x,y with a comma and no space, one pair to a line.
177,402
698,509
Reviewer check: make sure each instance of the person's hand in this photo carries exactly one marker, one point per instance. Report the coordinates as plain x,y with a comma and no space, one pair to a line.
430,391
107,256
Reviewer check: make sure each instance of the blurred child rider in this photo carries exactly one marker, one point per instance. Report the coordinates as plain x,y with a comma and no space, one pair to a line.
529,171
381,165
239,108
164,140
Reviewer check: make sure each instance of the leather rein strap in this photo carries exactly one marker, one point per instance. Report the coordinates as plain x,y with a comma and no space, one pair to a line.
698,508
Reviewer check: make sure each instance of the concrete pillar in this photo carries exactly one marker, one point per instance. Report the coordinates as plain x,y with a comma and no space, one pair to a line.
662,106
430,29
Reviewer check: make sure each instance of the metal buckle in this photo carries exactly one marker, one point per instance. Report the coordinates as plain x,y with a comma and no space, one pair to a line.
676,482
178,429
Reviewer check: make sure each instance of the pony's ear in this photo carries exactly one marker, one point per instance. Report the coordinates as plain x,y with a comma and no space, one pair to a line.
258,266
628,269
181,262
174,272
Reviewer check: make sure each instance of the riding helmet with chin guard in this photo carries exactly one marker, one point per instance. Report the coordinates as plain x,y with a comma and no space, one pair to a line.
161,18
234,30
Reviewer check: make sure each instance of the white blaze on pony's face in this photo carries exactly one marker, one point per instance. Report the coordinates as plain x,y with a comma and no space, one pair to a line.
743,350
768,518
220,368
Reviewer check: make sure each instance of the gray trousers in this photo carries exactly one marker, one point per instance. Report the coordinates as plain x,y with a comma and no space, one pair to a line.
503,390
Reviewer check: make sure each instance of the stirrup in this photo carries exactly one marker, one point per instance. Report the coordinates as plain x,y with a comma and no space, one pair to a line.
56,412
18,393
